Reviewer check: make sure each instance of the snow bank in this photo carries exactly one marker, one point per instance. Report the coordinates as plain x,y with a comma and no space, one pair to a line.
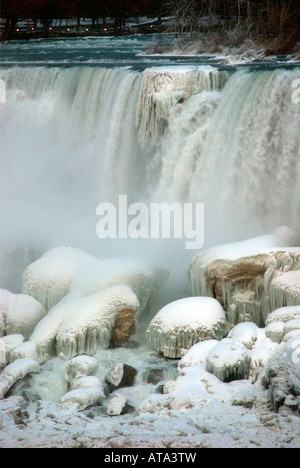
181,324
16,371
48,279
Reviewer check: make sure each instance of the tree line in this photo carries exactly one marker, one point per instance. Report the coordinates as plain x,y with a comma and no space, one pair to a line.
253,18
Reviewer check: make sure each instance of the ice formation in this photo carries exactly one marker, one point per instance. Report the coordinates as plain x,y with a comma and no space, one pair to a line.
250,278
16,371
25,350
20,313
48,278
85,332
284,314
164,88
111,292
7,345
229,361
274,331
282,375
80,366
183,323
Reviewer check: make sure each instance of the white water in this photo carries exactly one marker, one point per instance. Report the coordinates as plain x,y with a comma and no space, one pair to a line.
74,137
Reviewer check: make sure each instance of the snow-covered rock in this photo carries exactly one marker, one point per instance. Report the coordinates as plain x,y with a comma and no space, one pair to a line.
80,366
82,398
250,278
183,323
121,375
116,405
197,354
7,345
275,331
229,361
16,371
84,332
48,278
20,313
285,289
25,350
245,334
86,382
284,314
282,376
68,331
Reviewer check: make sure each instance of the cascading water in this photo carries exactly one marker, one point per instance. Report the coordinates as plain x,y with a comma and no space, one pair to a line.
73,137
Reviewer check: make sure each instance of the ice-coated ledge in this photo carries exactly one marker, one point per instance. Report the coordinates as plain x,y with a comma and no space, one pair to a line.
250,278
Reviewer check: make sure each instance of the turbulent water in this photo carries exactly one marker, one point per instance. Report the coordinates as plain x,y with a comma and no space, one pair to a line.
73,137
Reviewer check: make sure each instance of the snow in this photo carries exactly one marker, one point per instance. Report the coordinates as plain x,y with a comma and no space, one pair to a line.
181,324
16,371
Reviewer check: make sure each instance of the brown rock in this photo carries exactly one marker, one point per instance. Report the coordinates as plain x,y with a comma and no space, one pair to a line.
124,327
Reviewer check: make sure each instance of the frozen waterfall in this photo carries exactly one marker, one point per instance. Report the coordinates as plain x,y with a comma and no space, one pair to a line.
73,137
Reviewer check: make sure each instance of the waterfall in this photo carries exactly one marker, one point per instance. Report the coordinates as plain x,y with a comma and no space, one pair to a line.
73,137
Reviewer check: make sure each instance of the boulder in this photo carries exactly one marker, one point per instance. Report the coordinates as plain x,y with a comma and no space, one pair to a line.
121,375
183,323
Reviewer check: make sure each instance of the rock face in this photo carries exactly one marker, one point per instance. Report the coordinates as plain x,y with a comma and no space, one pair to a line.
118,406
249,287
181,324
124,327
121,375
